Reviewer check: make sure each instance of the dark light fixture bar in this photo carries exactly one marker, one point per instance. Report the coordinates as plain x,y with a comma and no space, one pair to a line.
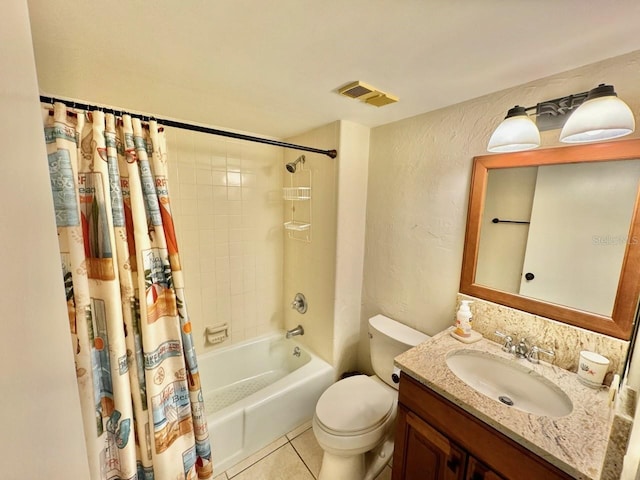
189,126
552,114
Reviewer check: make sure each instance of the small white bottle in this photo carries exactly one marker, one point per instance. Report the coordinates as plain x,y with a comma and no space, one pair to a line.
463,319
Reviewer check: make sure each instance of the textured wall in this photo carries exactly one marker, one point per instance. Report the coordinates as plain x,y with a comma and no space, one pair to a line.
419,176
353,164
42,435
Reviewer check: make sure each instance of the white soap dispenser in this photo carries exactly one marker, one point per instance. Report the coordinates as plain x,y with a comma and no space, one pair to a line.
463,330
463,319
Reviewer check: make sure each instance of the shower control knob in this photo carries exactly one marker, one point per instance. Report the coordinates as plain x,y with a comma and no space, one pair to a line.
299,303
529,276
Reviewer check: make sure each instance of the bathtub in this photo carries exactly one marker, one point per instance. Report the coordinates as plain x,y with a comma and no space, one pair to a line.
256,391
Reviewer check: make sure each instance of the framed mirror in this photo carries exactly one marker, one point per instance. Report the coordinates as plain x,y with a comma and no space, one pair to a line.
556,232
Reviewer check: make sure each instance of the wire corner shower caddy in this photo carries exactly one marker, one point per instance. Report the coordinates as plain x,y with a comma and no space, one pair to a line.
298,195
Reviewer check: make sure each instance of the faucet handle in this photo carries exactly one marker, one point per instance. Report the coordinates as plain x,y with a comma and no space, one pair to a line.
299,303
533,356
508,341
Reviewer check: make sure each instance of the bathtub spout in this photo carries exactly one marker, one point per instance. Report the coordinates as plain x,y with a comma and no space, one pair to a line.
295,331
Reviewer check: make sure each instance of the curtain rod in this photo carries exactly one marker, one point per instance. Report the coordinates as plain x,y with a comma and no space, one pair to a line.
188,126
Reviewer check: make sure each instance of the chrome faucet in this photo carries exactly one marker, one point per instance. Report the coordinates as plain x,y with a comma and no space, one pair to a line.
295,331
522,348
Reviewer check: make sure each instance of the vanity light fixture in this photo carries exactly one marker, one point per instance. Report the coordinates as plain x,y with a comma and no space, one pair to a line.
584,117
516,132
602,116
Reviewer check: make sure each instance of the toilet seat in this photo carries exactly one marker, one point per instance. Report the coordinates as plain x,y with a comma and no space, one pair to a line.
354,406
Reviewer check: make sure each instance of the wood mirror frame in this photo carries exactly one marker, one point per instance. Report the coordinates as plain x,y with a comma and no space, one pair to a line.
620,323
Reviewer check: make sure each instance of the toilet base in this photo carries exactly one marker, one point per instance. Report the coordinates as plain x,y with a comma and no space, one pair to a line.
363,466
338,467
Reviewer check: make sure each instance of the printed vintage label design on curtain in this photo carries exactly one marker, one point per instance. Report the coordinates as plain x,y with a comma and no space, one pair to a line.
171,414
100,363
159,296
95,227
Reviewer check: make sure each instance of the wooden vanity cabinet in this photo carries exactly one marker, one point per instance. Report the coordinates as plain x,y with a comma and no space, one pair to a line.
429,454
437,440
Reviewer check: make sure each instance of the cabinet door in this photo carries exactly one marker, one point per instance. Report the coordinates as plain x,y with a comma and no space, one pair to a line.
430,455
476,470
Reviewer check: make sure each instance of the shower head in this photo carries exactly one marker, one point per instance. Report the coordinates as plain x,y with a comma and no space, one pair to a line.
291,166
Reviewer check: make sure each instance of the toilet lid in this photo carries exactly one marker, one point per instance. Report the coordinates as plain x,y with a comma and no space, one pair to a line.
354,404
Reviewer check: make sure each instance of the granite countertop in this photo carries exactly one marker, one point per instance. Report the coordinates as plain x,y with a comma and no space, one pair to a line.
575,443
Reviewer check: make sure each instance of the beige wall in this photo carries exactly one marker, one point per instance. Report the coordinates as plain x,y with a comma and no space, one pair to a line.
227,203
42,433
326,263
353,164
309,266
419,175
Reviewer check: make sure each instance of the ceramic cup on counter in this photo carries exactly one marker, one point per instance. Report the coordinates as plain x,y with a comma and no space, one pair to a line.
592,368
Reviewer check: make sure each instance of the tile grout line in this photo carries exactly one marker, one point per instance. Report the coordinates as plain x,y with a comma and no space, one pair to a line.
259,460
302,459
289,441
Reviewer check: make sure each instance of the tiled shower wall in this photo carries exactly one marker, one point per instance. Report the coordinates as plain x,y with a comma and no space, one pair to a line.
226,198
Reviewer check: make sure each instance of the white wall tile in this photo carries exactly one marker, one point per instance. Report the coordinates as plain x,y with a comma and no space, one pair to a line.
219,177
223,218
234,179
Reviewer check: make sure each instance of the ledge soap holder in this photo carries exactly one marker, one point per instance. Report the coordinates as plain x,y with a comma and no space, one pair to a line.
216,334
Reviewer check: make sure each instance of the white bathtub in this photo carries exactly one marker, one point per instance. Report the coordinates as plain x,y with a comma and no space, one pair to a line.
256,391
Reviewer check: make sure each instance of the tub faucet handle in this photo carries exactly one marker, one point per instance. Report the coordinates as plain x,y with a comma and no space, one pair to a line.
299,303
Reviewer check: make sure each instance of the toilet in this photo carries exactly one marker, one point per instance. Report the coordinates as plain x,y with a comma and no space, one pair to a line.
355,417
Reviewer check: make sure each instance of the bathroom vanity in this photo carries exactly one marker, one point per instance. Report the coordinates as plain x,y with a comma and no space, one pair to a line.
446,429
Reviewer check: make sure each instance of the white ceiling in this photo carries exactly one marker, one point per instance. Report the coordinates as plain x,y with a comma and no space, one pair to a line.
272,67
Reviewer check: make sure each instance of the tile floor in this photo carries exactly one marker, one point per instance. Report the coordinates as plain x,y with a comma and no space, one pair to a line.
295,456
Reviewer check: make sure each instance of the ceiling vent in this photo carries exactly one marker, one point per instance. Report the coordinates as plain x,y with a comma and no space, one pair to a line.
368,94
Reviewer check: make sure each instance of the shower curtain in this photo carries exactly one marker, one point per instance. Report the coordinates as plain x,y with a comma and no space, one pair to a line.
142,405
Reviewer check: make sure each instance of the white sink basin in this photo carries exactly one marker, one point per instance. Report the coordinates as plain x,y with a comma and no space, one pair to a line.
509,382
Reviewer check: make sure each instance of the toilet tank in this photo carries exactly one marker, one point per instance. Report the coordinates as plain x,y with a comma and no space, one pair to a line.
387,340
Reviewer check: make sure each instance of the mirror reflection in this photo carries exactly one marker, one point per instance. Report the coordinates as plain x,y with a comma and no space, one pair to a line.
565,244
558,233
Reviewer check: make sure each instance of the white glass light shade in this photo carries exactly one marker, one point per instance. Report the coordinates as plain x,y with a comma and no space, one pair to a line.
597,119
514,134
